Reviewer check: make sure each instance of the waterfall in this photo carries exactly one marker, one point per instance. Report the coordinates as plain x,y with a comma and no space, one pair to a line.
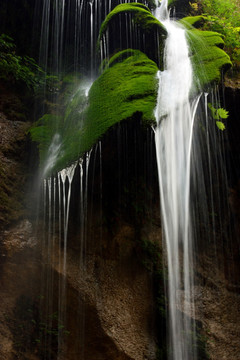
175,115
69,31
173,136
57,191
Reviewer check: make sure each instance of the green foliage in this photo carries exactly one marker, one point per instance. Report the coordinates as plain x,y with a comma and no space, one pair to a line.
16,68
6,43
220,125
194,6
221,113
218,115
224,17
24,69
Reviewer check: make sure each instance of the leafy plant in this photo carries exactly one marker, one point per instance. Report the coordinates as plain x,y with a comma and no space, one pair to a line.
218,115
223,16
194,6
15,68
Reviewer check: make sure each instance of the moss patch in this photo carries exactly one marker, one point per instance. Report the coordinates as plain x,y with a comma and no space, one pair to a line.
207,57
190,21
142,16
127,87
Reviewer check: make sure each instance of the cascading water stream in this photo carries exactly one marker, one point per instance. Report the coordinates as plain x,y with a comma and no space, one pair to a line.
175,116
57,196
173,136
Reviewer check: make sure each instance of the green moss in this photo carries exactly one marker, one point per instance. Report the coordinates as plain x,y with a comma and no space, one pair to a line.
69,85
120,56
207,57
70,78
127,87
190,21
142,16
44,129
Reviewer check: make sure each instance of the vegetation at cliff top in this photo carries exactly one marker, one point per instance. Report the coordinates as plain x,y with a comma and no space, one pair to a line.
223,16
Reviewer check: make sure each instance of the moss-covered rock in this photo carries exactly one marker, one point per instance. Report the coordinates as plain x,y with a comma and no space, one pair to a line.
190,21
208,59
127,87
141,15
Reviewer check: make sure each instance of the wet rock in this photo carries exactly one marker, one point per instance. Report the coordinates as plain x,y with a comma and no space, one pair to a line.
13,157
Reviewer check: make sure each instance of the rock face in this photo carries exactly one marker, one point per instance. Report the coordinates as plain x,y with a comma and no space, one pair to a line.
218,308
116,295
19,280
217,296
20,269
110,299
110,296
13,156
109,303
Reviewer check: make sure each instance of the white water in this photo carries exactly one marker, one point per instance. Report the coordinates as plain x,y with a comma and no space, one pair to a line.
67,173
62,184
173,136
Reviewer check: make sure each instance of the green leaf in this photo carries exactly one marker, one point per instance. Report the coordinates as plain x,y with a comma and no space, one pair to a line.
222,113
220,125
218,114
